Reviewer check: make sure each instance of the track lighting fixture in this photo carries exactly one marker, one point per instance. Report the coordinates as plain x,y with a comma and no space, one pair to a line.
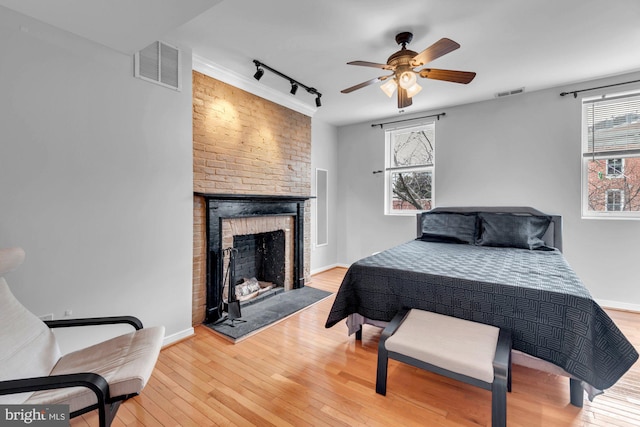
258,74
260,67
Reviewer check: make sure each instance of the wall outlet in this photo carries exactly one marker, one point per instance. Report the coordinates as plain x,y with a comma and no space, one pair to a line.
68,312
46,316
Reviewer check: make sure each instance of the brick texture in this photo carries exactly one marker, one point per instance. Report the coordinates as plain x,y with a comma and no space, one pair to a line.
244,144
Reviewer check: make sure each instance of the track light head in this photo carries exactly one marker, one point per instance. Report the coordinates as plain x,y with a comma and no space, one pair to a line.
318,103
294,88
258,74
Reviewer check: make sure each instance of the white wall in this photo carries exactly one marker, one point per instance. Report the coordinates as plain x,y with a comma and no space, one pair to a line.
324,155
362,226
95,178
520,150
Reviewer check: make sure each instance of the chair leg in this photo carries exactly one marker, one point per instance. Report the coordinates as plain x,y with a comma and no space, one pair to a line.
381,374
499,403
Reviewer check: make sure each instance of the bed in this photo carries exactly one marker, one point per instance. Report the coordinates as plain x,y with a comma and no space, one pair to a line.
501,266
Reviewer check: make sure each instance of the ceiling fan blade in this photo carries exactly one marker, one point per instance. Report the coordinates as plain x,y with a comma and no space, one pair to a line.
448,75
367,83
363,84
435,51
371,64
403,98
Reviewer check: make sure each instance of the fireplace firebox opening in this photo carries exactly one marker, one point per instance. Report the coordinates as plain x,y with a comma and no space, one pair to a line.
259,263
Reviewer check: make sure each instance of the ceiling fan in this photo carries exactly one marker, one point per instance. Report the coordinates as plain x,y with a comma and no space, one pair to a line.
404,77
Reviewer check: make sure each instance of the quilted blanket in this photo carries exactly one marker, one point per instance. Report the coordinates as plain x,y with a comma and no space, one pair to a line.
535,294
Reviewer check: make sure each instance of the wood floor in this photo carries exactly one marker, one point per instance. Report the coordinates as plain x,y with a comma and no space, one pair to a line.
297,373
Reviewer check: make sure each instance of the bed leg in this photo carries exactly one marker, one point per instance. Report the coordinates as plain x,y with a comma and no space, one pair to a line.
577,392
359,334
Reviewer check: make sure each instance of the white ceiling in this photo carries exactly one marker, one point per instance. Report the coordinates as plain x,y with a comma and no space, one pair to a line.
510,44
124,25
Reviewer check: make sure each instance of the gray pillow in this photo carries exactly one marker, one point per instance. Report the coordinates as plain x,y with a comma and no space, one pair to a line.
514,231
449,227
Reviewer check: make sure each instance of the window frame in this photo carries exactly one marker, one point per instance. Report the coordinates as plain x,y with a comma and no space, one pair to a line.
390,170
589,152
615,175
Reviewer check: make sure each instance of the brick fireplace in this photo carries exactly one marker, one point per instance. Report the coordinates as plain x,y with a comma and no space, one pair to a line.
245,145
229,216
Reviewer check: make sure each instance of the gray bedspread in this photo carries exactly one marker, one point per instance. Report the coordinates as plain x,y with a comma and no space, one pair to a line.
535,294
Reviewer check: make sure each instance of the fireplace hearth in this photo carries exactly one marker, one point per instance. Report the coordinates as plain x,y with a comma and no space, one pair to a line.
252,222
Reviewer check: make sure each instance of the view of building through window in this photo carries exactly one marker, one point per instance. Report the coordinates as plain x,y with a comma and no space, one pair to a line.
611,156
409,171
614,184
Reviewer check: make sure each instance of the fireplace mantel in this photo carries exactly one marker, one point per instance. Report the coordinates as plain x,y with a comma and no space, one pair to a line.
226,206
249,197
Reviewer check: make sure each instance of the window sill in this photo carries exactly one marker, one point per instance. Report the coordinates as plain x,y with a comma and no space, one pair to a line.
631,216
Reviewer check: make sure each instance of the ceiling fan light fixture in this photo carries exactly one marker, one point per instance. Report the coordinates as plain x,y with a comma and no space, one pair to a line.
413,90
389,87
404,77
407,79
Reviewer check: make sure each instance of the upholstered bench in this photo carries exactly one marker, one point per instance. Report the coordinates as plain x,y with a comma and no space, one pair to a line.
471,352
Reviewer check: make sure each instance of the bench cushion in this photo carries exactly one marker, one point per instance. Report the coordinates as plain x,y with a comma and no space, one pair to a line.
457,345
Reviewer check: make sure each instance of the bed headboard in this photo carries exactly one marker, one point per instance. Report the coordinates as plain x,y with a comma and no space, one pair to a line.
553,236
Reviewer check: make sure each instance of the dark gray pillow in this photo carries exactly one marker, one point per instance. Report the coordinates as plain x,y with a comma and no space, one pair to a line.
449,227
511,230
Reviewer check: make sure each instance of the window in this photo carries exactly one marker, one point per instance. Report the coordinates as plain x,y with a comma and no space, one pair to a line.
615,168
614,200
409,169
611,156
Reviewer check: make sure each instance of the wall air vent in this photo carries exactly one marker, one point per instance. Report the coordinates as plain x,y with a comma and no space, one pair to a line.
159,63
509,92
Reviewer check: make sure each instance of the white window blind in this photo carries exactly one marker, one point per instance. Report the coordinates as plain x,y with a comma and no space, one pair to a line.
613,125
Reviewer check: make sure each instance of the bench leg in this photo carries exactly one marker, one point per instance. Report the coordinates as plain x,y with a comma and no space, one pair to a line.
577,392
499,403
381,374
509,375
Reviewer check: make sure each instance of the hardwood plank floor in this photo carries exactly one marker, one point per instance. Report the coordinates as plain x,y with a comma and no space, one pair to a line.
297,373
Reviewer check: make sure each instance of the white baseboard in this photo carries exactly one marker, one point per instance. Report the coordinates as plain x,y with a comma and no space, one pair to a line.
617,305
321,269
170,339
328,267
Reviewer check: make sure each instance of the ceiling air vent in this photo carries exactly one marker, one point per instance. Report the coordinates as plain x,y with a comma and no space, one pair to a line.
159,63
510,92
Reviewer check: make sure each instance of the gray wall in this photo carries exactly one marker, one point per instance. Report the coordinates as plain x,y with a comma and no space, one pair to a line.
95,177
324,155
519,150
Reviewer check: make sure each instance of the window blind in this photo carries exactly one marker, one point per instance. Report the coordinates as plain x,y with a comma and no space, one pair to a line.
612,125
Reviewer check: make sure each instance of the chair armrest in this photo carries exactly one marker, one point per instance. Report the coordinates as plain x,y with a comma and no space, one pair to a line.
93,321
93,381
